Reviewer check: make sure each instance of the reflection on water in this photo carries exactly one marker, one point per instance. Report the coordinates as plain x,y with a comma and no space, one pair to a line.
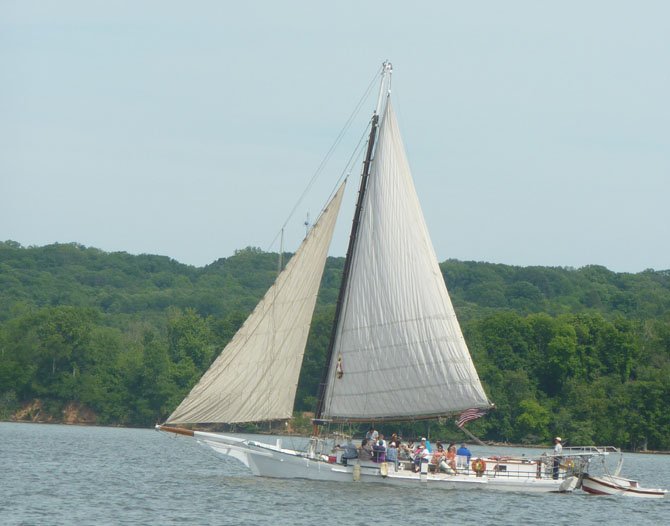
92,475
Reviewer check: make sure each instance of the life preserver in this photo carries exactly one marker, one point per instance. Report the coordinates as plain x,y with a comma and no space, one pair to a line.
478,466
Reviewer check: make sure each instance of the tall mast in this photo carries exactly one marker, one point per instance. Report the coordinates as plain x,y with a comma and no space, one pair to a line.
384,92
384,86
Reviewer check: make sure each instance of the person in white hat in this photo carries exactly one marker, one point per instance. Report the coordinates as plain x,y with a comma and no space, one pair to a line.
558,449
558,446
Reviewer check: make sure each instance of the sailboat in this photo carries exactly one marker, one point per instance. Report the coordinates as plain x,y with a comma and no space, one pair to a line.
396,352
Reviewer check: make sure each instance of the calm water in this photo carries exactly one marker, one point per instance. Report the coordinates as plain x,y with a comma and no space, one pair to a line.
91,475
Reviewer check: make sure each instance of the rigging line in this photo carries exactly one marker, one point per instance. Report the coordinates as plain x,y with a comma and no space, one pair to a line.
330,152
346,172
356,154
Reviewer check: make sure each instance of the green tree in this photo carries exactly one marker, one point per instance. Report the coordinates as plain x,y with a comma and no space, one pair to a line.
533,421
190,338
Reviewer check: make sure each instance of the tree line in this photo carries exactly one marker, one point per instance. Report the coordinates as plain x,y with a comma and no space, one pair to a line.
584,353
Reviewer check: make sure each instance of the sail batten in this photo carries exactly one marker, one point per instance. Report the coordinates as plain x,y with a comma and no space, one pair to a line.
398,351
256,376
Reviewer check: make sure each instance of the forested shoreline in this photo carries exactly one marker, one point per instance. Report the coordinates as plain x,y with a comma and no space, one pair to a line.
119,339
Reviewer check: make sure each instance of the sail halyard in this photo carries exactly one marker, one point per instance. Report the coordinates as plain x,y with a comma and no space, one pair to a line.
255,377
398,351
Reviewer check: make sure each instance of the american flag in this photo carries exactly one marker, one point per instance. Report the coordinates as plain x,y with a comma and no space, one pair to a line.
469,414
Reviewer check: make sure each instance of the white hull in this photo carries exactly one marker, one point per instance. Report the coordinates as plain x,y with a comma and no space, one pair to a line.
610,485
273,461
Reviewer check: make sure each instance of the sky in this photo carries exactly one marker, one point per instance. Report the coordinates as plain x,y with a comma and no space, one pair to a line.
538,133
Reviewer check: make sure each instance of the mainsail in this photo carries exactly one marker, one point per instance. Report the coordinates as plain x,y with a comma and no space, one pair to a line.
398,351
255,377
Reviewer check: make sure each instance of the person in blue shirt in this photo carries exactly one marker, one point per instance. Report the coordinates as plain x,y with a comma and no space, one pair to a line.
463,451
426,443
392,452
350,451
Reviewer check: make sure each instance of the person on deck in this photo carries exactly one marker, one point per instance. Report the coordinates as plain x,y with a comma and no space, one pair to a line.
463,451
429,448
365,451
439,459
404,452
558,449
379,450
450,457
372,435
420,455
349,451
392,452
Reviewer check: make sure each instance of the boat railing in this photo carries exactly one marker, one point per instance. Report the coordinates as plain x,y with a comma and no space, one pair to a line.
588,451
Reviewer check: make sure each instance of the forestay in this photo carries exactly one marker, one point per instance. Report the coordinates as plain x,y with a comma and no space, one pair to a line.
399,351
255,377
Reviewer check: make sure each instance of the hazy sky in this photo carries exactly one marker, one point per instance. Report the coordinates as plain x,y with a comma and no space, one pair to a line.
538,132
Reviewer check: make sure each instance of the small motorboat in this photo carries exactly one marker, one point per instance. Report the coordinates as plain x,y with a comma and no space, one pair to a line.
614,485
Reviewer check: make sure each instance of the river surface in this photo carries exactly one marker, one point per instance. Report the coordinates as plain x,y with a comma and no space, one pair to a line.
53,475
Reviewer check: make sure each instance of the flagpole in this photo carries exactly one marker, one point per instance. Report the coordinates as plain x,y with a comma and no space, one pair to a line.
473,437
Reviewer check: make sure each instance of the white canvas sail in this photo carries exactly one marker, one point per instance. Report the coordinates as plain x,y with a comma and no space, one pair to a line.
399,351
255,377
